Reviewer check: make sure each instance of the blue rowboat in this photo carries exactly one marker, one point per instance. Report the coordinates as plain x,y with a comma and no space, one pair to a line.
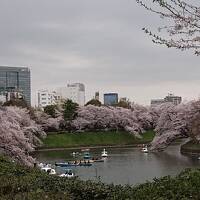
66,164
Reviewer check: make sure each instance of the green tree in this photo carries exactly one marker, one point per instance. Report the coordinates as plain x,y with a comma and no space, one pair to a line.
17,102
123,104
69,110
51,110
94,102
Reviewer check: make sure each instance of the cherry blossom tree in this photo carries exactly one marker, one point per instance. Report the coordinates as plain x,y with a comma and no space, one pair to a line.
19,135
113,118
175,122
182,23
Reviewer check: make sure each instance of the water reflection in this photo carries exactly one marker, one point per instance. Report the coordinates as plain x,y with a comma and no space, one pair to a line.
126,165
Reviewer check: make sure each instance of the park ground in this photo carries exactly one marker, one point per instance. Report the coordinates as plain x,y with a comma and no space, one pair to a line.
94,139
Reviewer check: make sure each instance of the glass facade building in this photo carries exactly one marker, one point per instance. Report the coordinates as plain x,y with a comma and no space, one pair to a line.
110,99
16,79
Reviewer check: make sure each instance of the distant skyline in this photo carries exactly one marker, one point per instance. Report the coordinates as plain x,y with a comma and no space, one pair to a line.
98,43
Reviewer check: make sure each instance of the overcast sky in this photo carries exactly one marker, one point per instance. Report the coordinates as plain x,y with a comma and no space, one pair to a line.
96,42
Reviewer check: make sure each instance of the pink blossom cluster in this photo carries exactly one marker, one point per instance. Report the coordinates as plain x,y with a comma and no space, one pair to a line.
174,122
134,120
18,134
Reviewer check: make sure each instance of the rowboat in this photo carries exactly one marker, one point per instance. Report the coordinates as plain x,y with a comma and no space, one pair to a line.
85,164
97,160
68,174
81,164
100,160
66,164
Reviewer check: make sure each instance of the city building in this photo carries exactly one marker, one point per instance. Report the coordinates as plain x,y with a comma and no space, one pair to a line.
170,98
15,82
74,91
155,102
110,99
96,96
173,99
45,98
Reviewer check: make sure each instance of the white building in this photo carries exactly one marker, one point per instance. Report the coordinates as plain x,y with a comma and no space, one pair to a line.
46,98
2,98
74,91
170,98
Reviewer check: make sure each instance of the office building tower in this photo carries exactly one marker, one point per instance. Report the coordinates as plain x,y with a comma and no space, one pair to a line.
15,82
110,99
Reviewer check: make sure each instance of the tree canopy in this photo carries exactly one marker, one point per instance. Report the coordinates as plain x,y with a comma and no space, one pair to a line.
50,110
17,102
93,102
182,23
70,109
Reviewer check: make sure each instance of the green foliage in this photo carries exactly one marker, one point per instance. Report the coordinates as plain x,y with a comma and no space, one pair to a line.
191,146
70,110
100,138
51,110
93,102
17,102
18,182
123,104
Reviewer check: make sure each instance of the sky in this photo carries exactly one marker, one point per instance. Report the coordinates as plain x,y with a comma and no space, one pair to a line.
96,42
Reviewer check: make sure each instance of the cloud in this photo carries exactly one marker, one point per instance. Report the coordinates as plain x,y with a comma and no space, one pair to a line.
99,43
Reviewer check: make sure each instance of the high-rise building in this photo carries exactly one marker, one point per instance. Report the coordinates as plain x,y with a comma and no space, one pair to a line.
110,99
15,80
74,91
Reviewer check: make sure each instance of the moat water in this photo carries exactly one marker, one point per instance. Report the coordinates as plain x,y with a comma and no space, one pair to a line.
125,165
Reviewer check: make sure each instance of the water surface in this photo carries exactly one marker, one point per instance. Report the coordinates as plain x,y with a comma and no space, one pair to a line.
126,165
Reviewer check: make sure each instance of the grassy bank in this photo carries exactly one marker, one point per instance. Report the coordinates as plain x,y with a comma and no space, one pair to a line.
190,147
18,182
67,140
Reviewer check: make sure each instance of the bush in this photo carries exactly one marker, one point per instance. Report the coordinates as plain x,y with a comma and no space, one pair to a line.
18,182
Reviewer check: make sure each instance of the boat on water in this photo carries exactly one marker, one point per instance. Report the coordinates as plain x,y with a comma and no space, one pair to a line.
144,149
75,154
68,174
48,170
41,165
85,164
104,153
86,155
98,160
68,164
